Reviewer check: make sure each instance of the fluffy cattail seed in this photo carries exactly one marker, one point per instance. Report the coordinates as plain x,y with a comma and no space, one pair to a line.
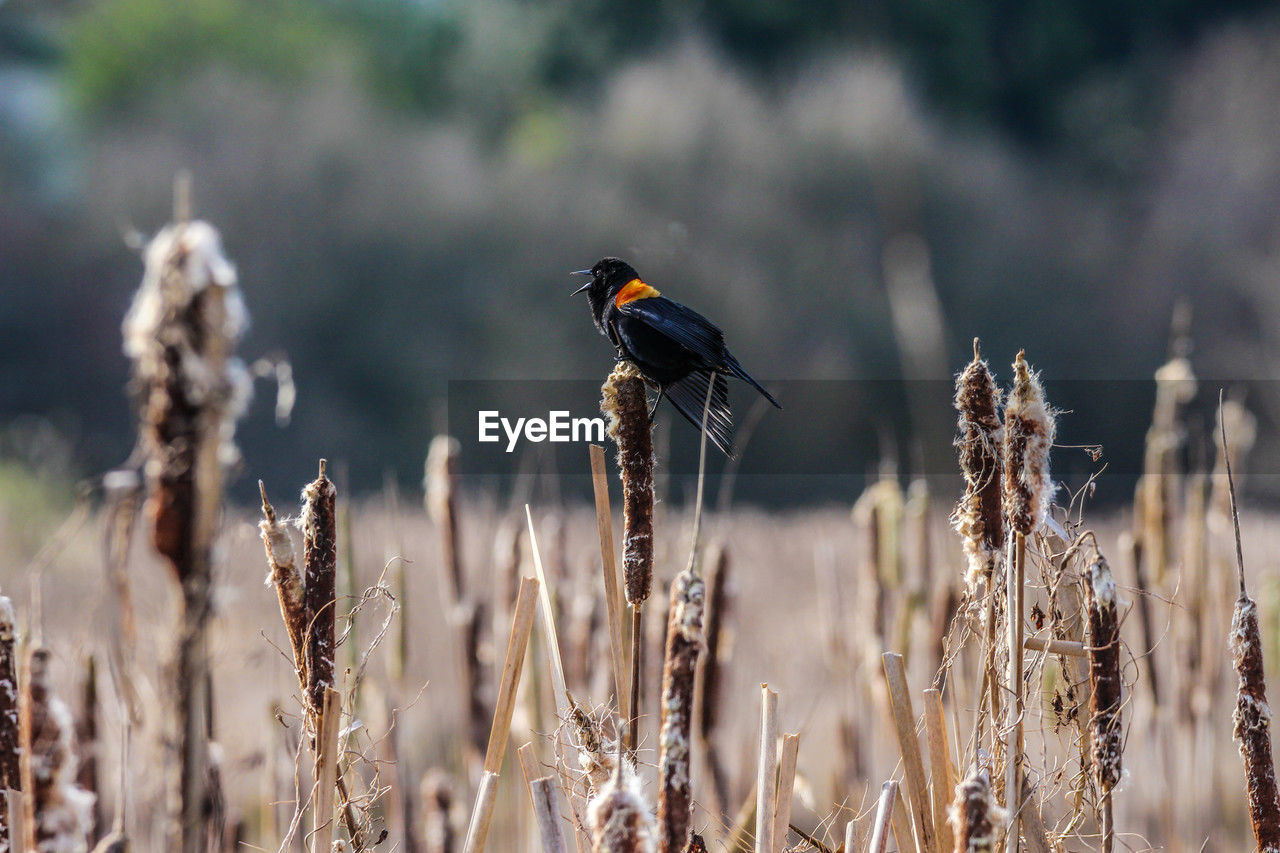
1028,435
978,517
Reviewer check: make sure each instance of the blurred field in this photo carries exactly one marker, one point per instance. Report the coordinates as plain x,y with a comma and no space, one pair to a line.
802,620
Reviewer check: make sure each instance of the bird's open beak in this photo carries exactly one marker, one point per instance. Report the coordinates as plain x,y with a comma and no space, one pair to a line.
585,286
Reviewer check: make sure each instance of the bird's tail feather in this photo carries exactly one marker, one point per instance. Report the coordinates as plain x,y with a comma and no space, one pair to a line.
689,396
737,370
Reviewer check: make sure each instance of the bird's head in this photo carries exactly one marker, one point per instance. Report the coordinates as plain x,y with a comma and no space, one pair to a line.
608,277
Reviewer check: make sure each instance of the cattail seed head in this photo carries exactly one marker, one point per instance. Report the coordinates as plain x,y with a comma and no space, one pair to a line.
626,406
1028,434
978,518
619,820
975,815
684,642
1251,724
1105,686
318,521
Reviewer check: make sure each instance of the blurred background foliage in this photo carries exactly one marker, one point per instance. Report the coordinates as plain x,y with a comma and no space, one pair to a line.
403,186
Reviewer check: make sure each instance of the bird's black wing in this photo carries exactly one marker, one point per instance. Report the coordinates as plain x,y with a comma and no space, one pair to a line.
689,396
695,333
683,325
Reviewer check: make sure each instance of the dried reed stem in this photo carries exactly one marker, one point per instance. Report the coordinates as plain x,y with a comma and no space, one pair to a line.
612,593
326,770
786,787
1252,717
10,748
500,732
1055,647
521,628
851,838
482,814
767,775
1013,748
942,775
707,688
625,404
684,641
546,809
558,684
883,823
900,820
904,721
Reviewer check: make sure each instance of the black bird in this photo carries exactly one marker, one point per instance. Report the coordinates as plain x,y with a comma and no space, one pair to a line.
674,347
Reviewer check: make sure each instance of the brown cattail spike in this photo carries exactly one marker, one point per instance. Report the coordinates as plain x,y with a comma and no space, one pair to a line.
10,751
1028,434
978,517
320,559
975,817
684,641
1104,674
57,812
625,404
619,821
1252,718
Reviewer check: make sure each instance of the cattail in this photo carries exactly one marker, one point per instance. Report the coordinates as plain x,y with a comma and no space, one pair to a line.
58,814
1105,686
975,816
86,731
684,641
619,820
283,575
438,834
180,333
625,404
442,506
1028,434
1252,717
594,750
10,750
978,517
318,521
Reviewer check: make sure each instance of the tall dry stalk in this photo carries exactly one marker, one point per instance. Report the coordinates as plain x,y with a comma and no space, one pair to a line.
625,405
181,333
504,708
979,518
707,688
1252,717
10,748
1028,435
904,721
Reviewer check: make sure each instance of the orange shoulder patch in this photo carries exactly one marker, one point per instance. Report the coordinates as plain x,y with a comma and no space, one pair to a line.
633,290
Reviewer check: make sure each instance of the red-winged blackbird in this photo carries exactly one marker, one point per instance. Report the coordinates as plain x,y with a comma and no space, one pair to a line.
675,348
